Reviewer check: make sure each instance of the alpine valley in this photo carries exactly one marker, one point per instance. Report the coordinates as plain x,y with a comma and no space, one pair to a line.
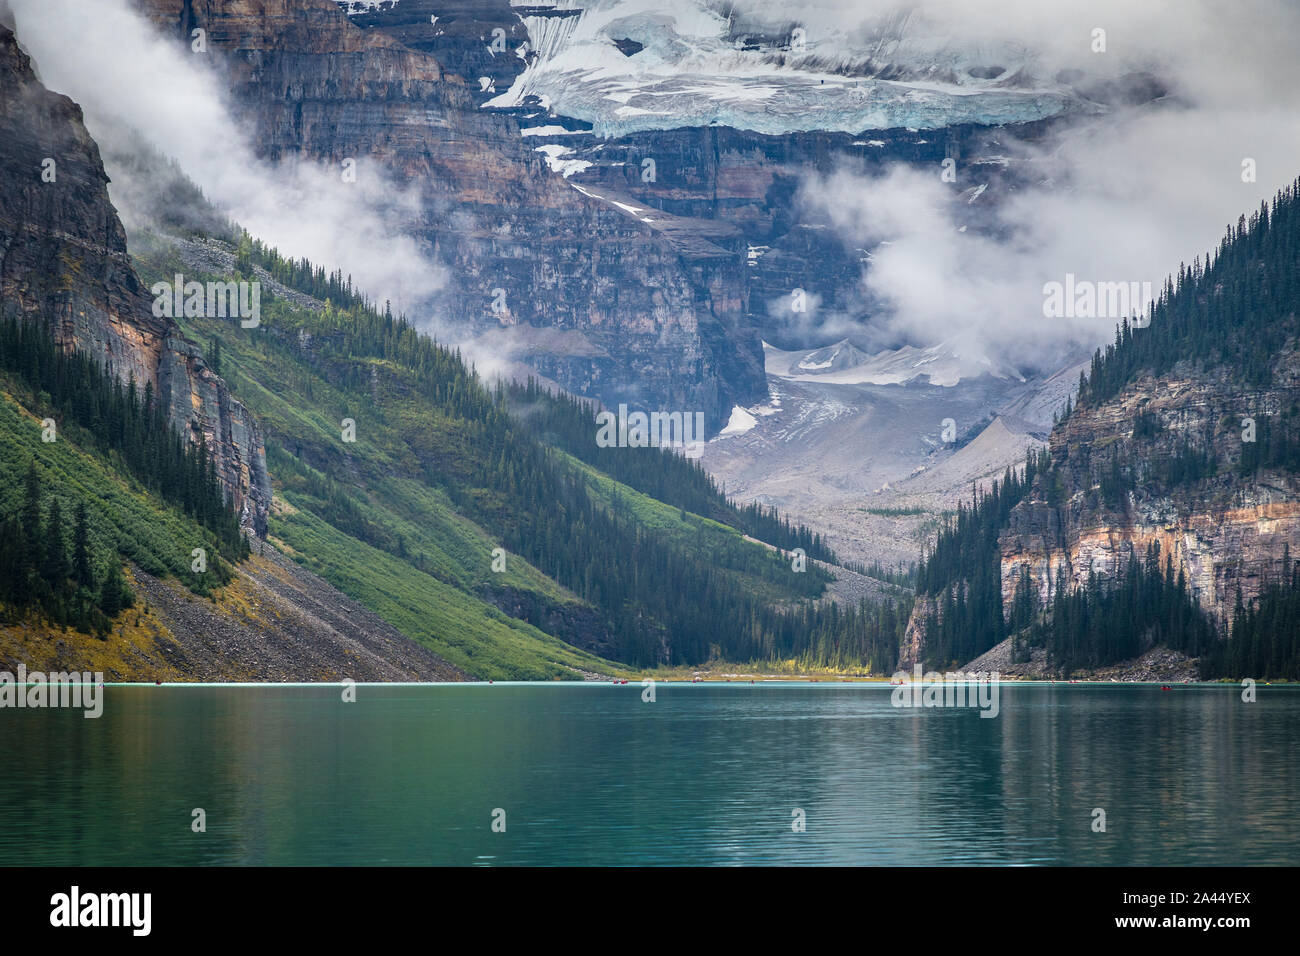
475,229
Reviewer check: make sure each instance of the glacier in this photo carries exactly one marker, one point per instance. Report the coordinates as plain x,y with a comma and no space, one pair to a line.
695,69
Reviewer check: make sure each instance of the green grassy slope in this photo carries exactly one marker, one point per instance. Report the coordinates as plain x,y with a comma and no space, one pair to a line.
125,520
465,630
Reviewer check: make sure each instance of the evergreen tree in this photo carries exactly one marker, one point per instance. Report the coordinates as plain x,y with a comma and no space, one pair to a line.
114,595
54,562
81,571
31,523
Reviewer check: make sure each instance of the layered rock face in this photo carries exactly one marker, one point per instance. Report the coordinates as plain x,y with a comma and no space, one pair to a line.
471,38
64,261
754,185
1227,532
595,298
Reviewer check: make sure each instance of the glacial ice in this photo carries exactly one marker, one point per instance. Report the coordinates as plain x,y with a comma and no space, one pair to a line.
692,72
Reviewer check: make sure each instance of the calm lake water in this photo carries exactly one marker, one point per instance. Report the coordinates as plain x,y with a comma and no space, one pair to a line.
706,774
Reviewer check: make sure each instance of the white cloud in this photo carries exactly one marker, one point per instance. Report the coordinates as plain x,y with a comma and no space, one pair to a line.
1122,197
110,61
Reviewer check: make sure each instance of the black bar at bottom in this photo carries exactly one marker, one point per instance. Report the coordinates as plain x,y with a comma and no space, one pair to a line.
302,905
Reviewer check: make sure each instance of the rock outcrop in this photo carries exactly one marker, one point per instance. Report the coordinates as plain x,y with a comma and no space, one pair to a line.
64,261
912,651
1228,532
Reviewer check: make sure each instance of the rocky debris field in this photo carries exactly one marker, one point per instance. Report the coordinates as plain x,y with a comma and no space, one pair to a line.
279,622
1157,664
850,587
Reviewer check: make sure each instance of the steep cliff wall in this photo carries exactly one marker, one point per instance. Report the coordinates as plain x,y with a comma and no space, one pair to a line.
649,320
912,650
460,34
754,183
1227,531
63,260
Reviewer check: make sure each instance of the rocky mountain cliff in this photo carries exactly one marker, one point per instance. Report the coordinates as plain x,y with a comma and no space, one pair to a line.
460,34
652,315
749,188
64,261
643,265
1227,532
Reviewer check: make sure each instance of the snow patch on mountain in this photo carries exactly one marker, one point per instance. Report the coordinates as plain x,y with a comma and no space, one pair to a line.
845,364
551,130
354,7
554,158
740,422
631,210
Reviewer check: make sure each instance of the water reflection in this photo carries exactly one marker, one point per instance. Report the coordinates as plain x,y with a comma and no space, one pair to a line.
708,774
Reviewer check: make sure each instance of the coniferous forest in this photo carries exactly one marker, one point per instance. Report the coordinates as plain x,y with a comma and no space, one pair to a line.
1265,637
1235,310
1095,625
1236,307
38,569
567,423
962,575
45,554
125,421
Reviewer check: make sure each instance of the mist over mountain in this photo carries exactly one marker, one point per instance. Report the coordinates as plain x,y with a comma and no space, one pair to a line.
1110,140
139,88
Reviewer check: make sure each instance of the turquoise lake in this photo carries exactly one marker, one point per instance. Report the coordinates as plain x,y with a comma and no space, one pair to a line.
707,774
